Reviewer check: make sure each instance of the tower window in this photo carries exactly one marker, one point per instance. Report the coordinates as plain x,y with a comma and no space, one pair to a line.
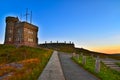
9,39
30,32
30,39
10,31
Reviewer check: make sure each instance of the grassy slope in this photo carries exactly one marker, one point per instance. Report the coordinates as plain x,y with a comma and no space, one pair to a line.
118,64
33,60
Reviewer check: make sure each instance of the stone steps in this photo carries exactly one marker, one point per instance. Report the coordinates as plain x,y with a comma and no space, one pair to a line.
116,68
111,64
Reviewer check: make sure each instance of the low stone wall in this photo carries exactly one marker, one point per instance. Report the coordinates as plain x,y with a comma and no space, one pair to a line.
65,47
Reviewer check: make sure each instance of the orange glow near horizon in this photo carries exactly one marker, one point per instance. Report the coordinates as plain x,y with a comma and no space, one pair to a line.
107,49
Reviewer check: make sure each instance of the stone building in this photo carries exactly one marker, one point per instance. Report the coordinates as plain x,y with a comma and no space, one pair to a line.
20,33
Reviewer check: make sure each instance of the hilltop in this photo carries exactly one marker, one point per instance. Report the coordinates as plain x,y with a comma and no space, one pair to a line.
100,54
70,48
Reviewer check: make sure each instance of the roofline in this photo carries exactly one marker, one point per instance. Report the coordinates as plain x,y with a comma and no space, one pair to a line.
29,24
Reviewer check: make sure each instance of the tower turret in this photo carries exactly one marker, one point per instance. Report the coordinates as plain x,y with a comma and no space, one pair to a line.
10,24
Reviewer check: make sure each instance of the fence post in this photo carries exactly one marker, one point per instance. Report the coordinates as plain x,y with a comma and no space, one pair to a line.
92,55
83,60
77,55
97,65
74,54
81,54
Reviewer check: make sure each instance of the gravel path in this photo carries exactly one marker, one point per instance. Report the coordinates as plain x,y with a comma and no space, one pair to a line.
72,71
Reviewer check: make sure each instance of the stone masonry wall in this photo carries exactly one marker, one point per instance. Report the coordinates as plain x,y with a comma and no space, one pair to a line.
20,33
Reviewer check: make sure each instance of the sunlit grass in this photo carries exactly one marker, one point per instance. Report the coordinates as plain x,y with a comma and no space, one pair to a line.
105,72
23,63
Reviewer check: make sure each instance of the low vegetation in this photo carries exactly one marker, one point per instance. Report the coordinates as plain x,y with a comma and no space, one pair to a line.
118,63
23,63
105,72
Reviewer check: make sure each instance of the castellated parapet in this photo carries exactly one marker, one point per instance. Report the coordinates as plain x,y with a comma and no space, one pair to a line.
20,33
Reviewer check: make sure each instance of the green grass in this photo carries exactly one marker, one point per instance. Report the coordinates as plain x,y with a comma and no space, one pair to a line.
32,59
118,63
105,72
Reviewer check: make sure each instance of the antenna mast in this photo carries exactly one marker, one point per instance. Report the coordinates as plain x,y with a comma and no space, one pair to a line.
21,16
31,17
26,14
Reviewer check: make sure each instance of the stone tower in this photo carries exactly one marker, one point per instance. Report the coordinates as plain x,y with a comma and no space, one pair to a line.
20,33
10,26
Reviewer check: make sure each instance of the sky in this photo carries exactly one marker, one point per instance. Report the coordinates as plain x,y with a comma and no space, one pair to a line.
90,24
